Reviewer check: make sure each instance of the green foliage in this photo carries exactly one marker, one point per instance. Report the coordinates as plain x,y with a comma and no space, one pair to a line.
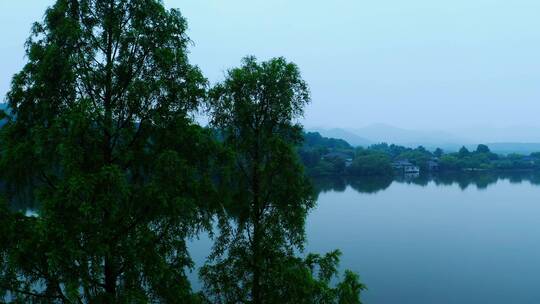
315,140
325,167
102,139
463,152
535,155
438,152
449,162
349,289
482,149
324,156
393,151
516,161
370,163
263,225
483,159
100,136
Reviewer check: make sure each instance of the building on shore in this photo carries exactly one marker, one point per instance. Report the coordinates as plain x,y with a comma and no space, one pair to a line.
405,166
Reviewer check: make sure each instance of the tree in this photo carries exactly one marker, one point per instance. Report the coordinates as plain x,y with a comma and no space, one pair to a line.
370,163
450,163
482,149
314,139
463,152
535,155
253,259
101,135
438,152
422,149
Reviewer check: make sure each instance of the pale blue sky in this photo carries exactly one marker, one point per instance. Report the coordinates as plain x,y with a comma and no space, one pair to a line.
413,64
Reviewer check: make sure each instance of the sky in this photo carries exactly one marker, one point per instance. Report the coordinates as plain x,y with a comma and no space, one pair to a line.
417,64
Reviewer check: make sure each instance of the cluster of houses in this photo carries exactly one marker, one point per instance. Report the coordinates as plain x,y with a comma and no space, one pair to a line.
405,166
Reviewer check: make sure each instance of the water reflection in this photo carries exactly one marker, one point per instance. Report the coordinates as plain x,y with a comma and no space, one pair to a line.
374,184
447,238
360,184
464,180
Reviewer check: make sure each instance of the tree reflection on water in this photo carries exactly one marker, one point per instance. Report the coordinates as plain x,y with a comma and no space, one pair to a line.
464,180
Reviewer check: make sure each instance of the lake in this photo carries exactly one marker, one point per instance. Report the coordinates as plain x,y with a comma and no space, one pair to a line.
463,238
457,238
445,239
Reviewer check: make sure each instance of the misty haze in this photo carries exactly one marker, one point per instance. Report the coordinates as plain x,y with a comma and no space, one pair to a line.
205,151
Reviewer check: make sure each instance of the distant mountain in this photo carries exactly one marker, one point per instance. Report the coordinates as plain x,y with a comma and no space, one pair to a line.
348,136
522,140
378,133
510,134
405,137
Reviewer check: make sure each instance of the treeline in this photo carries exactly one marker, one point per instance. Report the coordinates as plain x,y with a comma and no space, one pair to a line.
335,157
483,159
374,184
101,139
328,156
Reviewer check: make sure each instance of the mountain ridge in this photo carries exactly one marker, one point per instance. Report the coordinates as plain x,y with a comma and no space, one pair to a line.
431,139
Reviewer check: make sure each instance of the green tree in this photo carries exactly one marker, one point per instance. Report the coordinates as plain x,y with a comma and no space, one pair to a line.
438,152
463,152
535,155
450,163
370,163
101,136
262,227
482,149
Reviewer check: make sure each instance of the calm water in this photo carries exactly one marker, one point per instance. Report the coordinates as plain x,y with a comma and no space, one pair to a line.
452,239
467,238
463,238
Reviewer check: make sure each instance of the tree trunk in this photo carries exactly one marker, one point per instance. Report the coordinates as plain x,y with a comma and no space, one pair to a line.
256,246
256,288
109,260
110,280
